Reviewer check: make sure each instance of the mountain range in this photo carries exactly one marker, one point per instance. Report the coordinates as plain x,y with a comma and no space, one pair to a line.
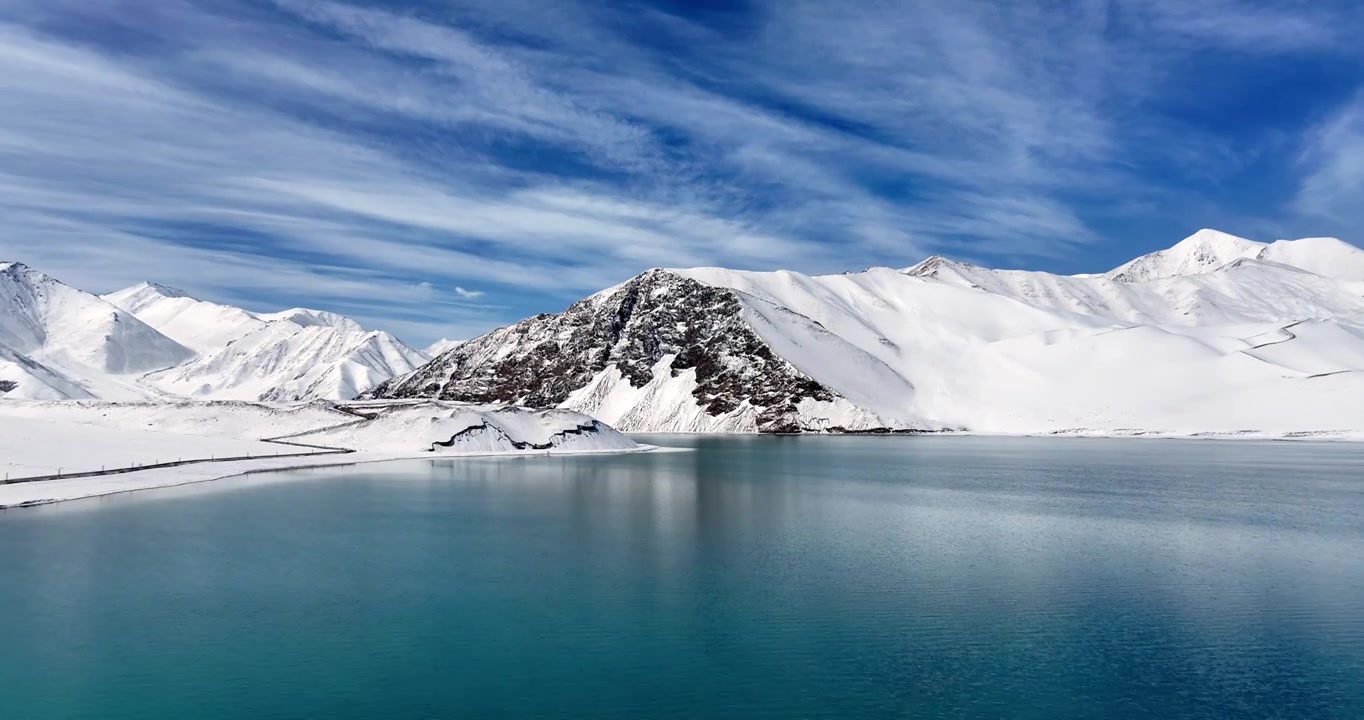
1217,334
154,342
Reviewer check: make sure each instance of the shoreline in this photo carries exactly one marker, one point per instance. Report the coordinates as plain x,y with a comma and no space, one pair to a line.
1351,436
128,484
86,486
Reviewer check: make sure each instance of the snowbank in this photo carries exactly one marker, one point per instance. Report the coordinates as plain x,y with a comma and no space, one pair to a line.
453,428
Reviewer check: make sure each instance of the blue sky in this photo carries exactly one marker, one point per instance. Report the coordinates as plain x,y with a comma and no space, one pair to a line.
438,168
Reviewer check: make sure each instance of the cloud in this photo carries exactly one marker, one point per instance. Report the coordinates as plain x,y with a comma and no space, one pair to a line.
1245,25
323,150
1333,157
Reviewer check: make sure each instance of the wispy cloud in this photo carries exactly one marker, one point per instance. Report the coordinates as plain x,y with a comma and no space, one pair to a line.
1245,25
1333,187
390,160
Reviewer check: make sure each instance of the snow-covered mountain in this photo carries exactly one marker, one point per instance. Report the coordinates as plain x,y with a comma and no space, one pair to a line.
150,341
1217,334
283,361
297,354
56,341
441,346
203,326
665,352
1207,250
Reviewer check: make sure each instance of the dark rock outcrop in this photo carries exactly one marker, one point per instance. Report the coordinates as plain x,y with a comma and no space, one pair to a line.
540,361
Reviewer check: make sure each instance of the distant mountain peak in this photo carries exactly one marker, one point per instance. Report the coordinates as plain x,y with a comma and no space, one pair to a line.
162,290
1208,250
64,342
1201,252
934,264
442,345
306,317
138,297
1326,256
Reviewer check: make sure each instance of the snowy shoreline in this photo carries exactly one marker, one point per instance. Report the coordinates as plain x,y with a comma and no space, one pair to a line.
1097,434
101,446
46,492
36,493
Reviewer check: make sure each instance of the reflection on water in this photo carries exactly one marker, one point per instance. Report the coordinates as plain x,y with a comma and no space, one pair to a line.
749,576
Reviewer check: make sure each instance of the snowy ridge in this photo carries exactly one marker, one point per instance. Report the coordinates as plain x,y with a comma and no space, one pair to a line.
441,346
203,326
293,355
56,341
284,362
1216,335
1208,250
150,341
664,351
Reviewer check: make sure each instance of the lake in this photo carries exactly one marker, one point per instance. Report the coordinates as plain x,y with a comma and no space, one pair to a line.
840,577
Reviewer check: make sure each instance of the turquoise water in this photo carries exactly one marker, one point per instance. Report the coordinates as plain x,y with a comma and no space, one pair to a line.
750,577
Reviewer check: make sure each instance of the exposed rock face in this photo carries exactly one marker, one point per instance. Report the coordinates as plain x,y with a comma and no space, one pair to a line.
540,361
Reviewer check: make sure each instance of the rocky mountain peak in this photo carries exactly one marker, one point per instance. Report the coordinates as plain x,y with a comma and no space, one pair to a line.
657,322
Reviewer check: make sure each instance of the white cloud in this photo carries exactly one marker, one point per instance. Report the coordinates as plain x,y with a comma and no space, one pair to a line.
1333,187
350,152
1244,24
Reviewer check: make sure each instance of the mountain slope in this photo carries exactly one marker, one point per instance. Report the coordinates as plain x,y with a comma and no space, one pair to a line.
282,360
1328,257
441,346
1206,337
203,326
1207,250
57,342
296,354
23,378
1203,251
62,342
663,352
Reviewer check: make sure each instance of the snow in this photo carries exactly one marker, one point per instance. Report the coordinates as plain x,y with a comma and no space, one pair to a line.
313,318
1324,256
1207,250
295,354
442,345
1203,251
56,340
41,438
664,404
152,342
1215,335
1028,352
203,326
455,428
29,447
282,361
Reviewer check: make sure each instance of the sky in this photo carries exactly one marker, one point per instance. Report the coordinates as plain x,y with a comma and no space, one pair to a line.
438,168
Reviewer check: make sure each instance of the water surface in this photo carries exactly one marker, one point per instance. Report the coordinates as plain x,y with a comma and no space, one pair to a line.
749,577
